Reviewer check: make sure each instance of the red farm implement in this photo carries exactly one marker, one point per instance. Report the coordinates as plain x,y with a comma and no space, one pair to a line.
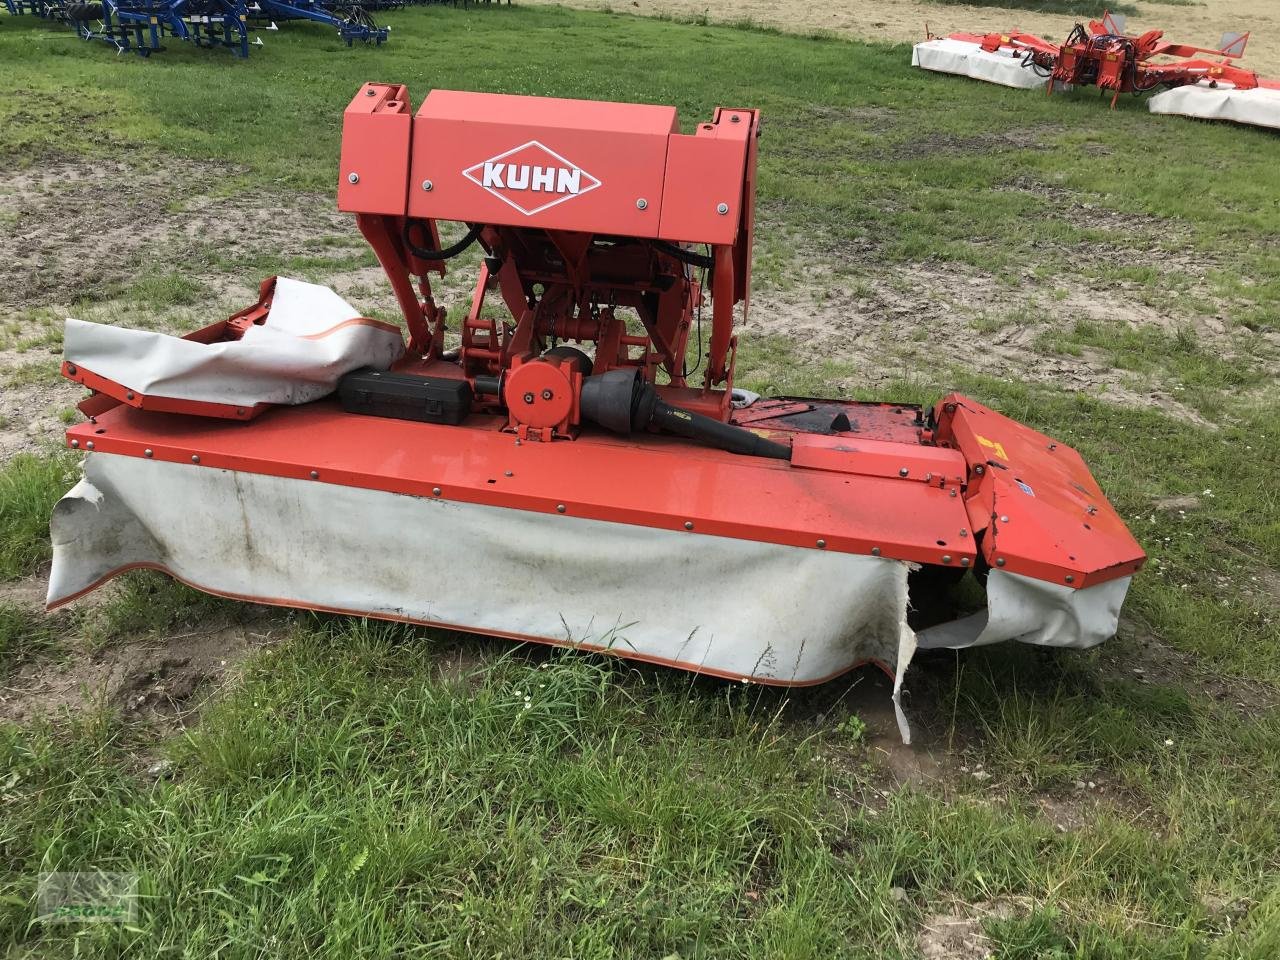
1198,81
543,464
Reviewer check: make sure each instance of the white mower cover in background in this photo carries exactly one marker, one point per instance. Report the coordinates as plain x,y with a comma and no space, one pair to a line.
736,608
1259,107
968,59
311,338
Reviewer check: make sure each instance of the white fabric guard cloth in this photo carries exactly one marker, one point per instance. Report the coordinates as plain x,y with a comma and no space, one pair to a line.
1035,611
737,608
307,343
968,59
1259,107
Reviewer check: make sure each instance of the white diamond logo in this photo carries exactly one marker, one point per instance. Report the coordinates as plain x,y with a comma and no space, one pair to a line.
531,178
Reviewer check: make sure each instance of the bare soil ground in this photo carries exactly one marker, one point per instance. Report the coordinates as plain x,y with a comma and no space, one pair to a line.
899,21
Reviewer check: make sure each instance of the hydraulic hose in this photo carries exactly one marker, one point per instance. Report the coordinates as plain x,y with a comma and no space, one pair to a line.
685,256
422,253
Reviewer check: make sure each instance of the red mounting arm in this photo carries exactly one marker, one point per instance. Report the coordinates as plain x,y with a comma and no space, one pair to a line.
599,222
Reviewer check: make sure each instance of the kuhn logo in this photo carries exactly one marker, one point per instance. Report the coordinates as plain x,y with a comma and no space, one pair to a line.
531,178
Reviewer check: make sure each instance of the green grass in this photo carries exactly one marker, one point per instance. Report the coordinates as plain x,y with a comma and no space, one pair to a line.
146,604
168,288
355,793
29,487
25,635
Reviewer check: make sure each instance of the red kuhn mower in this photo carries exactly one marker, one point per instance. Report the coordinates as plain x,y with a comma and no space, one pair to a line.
1199,82
554,471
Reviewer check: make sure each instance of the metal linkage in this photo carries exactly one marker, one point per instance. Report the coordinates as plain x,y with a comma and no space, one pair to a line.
219,23
128,25
352,20
45,9
140,26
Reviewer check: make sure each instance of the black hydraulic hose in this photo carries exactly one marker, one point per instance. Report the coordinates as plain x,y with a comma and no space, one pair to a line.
685,256
447,253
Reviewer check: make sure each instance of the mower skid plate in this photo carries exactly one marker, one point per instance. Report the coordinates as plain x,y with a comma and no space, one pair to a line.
1033,501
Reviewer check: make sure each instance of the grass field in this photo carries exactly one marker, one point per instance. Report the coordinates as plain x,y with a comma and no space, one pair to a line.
328,787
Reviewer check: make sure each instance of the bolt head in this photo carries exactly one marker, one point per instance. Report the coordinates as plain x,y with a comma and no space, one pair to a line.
559,508
734,118
688,524
129,395
75,443
964,561
369,92
999,561
427,185
528,398
1004,518
353,177
315,474
507,473
642,204
875,551
902,472
148,453
822,544
195,458
546,394
1070,578
979,469
89,445
71,368
435,491
722,208
946,558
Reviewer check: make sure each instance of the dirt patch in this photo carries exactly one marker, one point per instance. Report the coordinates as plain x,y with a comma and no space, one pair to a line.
937,143
82,233
29,411
160,679
911,317
1145,658
956,933
903,21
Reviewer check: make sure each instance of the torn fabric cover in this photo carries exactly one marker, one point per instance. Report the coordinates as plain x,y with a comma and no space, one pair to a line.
310,338
1259,107
968,59
739,609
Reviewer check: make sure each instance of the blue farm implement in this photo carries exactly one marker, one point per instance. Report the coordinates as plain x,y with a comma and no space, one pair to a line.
141,25
352,20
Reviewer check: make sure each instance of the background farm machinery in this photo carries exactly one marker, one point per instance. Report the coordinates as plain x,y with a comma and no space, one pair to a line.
1203,82
142,26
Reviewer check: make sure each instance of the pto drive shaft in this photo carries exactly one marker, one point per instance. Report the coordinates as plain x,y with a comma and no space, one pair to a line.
622,401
